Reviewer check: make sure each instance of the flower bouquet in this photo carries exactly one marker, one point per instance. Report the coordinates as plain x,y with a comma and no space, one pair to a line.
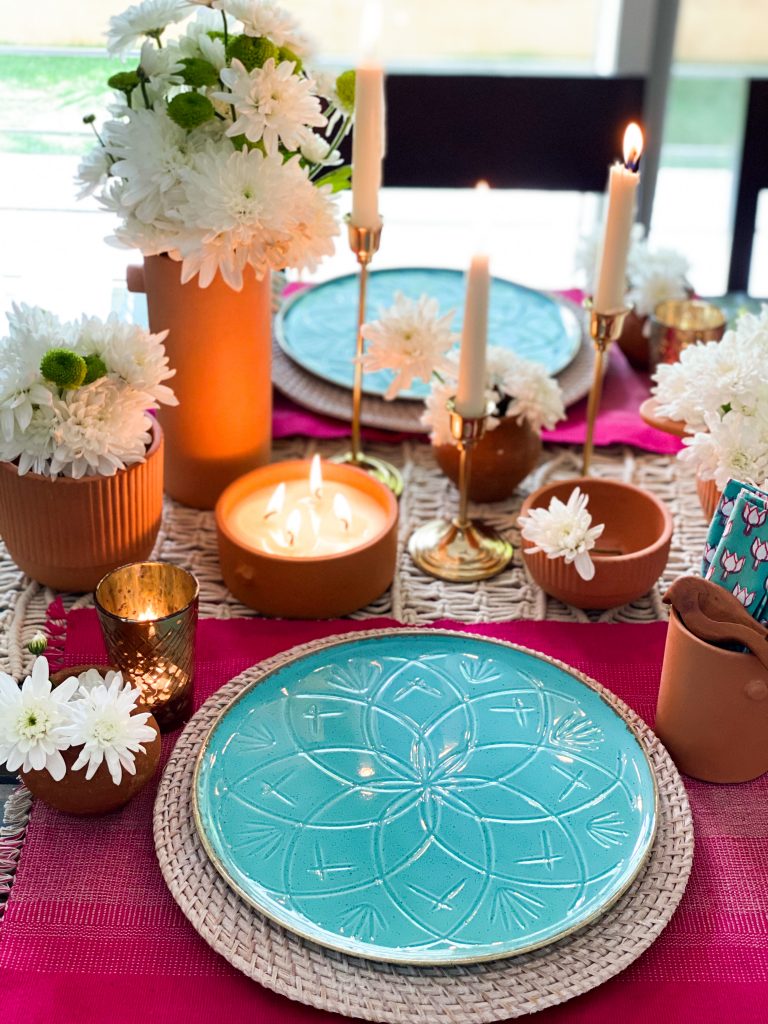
220,162
79,739
415,341
719,392
79,450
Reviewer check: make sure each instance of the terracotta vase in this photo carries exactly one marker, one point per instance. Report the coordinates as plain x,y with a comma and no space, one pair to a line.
637,525
709,496
712,710
634,343
220,343
67,533
503,458
74,794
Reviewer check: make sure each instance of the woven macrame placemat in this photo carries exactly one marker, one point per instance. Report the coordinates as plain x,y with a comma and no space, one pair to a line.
470,994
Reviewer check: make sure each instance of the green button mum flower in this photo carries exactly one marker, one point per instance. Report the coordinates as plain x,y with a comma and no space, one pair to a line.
124,81
345,90
198,72
285,53
63,367
190,109
95,368
252,51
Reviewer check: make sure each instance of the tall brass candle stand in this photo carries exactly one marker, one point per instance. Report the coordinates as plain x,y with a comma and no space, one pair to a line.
461,549
364,242
604,329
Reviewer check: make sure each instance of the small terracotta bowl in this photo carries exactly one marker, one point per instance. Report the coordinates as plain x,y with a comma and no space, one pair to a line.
636,523
320,587
712,710
74,794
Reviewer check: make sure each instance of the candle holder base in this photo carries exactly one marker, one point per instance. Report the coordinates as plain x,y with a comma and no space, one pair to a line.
459,553
379,469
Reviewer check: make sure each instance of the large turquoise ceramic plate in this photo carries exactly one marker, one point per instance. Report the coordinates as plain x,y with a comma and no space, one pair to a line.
425,798
317,327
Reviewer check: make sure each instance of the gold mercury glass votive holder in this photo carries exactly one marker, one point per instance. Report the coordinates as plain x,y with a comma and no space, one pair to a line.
148,615
678,323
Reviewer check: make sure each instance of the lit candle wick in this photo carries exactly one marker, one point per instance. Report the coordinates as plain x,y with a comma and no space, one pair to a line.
342,510
147,615
315,478
276,502
292,527
633,146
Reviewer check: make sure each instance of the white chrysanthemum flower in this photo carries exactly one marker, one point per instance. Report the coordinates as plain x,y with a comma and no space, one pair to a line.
92,678
34,721
516,387
31,333
149,18
99,429
104,723
411,339
273,104
130,353
32,445
196,41
163,67
656,276
563,531
264,18
92,171
317,150
314,225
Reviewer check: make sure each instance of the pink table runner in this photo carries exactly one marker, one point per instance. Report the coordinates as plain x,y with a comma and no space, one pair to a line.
618,421
91,935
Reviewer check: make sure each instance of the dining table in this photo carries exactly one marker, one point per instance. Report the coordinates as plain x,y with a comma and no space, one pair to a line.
90,931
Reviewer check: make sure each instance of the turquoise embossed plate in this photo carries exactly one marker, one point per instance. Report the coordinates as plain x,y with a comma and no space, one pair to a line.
317,327
425,797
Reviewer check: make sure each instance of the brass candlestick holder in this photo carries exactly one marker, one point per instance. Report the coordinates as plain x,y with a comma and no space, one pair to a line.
364,242
461,549
604,329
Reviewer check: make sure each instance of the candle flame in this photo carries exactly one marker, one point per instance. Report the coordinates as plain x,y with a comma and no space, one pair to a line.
276,502
342,510
633,146
315,478
147,615
292,527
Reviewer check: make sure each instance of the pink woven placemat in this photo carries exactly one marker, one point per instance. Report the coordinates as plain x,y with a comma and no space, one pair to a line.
92,935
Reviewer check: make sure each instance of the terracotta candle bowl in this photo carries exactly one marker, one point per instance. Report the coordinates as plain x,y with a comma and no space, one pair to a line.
712,711
637,525
307,586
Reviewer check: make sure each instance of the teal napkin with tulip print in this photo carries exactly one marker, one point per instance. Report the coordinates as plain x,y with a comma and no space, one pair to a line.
723,512
740,560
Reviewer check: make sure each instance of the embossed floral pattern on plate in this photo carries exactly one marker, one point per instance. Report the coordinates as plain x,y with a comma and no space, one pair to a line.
424,797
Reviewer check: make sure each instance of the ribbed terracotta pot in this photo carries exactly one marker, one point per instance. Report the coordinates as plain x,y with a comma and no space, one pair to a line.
67,533
503,458
712,710
709,495
74,794
220,344
634,343
637,524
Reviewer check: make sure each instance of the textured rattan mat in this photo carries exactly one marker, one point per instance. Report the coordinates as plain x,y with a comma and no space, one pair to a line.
471,994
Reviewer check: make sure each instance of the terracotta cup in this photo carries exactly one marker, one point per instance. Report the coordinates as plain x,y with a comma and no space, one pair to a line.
709,496
503,458
74,794
637,525
67,533
220,344
308,587
633,341
712,710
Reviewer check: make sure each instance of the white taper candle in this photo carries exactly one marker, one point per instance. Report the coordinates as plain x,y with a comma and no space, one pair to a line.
367,145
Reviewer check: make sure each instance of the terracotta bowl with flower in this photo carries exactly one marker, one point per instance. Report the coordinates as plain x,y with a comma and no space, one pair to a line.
74,794
629,556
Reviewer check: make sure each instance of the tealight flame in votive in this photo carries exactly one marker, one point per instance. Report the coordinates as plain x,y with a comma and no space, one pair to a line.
633,146
147,615
276,502
315,478
342,510
292,527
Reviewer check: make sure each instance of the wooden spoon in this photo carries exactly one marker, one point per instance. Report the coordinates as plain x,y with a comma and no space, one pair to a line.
712,613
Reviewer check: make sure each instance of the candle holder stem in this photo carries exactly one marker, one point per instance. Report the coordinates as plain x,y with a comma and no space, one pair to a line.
364,243
604,329
461,549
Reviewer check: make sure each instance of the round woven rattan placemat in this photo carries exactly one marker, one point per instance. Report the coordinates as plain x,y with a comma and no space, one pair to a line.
469,994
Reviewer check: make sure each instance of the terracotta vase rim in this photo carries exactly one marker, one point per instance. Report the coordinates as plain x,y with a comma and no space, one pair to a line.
156,432
663,538
236,485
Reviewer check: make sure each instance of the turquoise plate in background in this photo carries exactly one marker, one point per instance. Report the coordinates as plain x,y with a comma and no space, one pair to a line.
425,797
317,327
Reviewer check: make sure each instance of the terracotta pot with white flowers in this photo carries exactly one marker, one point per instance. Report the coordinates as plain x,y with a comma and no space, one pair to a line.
81,458
220,160
414,341
716,397
80,739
